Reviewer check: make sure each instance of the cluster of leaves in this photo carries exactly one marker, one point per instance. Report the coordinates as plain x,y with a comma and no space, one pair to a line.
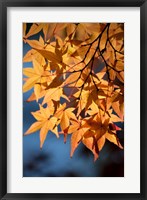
78,76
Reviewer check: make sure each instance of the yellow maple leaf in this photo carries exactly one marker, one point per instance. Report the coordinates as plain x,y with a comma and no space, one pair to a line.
45,123
34,75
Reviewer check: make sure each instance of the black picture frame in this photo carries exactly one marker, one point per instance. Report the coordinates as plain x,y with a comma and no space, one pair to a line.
4,4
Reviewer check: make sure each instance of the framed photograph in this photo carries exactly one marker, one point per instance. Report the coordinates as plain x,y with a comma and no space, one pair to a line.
73,93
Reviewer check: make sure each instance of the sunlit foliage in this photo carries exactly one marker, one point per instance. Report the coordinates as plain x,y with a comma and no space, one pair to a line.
77,76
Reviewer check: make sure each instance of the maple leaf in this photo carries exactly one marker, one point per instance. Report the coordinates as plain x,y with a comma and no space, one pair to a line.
45,122
66,116
33,54
35,28
34,75
112,137
76,138
90,144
